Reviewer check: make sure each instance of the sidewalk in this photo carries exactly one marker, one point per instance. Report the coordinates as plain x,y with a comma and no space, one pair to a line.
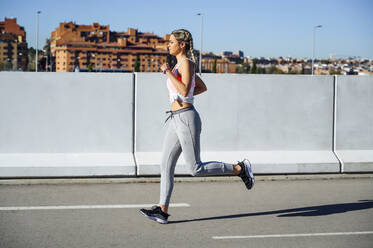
126,180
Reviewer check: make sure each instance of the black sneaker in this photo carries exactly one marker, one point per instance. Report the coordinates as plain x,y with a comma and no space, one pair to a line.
246,173
156,214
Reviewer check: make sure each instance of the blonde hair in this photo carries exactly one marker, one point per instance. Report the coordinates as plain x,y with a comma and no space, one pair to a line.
184,35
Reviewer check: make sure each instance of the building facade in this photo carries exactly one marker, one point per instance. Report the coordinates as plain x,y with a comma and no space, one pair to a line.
221,64
13,45
96,48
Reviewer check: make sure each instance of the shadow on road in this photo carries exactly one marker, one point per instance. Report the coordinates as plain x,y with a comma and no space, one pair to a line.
294,212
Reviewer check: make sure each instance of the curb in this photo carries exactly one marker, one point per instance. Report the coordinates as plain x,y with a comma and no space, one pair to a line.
112,180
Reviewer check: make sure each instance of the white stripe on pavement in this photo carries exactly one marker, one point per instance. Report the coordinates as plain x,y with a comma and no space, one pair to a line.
292,235
175,205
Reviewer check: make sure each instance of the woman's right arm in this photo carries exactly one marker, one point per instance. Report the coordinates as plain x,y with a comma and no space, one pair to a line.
200,86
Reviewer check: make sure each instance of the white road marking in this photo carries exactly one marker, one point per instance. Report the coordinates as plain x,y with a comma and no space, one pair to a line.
172,205
292,235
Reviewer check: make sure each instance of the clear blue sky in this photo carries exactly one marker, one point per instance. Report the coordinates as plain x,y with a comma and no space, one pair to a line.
270,28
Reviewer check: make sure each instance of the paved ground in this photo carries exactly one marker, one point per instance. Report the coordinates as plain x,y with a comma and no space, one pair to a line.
304,213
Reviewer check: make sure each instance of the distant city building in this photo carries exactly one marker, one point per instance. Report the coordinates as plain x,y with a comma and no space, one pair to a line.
96,48
226,53
223,65
13,45
240,54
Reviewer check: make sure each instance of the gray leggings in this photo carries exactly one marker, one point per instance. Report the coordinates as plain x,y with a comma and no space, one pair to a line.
183,134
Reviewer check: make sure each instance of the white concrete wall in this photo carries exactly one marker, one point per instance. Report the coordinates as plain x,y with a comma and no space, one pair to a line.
92,124
66,124
283,124
354,123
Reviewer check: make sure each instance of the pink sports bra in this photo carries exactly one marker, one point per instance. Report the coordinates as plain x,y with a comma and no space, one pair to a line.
173,94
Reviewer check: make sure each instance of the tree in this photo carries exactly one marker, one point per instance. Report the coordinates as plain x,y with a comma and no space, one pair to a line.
214,65
6,66
47,49
90,67
272,69
31,55
31,60
136,66
254,68
260,70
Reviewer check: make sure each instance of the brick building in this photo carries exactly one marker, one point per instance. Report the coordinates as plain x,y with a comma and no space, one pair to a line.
223,65
13,45
95,46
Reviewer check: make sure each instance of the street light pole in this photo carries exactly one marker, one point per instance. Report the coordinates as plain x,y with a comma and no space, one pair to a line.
313,46
37,40
200,53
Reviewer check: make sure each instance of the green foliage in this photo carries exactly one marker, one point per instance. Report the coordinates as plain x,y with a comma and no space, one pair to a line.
302,71
6,66
90,67
31,51
243,68
214,65
260,70
47,46
253,69
137,64
272,70
31,55
246,67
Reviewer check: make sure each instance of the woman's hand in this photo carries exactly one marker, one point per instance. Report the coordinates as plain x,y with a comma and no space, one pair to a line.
165,67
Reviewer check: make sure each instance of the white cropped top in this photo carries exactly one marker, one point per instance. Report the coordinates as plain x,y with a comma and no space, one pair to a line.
173,94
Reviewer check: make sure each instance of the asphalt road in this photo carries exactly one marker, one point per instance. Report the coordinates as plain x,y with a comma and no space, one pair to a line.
301,213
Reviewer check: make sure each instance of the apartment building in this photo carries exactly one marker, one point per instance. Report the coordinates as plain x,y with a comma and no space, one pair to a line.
13,45
223,64
96,47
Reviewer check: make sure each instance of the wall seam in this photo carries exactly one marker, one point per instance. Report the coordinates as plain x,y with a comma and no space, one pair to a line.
134,106
334,144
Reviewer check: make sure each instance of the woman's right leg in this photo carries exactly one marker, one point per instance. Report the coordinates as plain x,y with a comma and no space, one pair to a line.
170,154
188,128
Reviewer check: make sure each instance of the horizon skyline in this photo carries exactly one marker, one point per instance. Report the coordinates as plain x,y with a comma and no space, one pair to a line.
345,31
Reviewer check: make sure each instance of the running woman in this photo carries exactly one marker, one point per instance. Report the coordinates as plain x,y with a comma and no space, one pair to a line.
184,127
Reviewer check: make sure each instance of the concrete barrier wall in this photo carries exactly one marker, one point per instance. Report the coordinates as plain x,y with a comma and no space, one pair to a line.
283,124
91,124
354,123
66,124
